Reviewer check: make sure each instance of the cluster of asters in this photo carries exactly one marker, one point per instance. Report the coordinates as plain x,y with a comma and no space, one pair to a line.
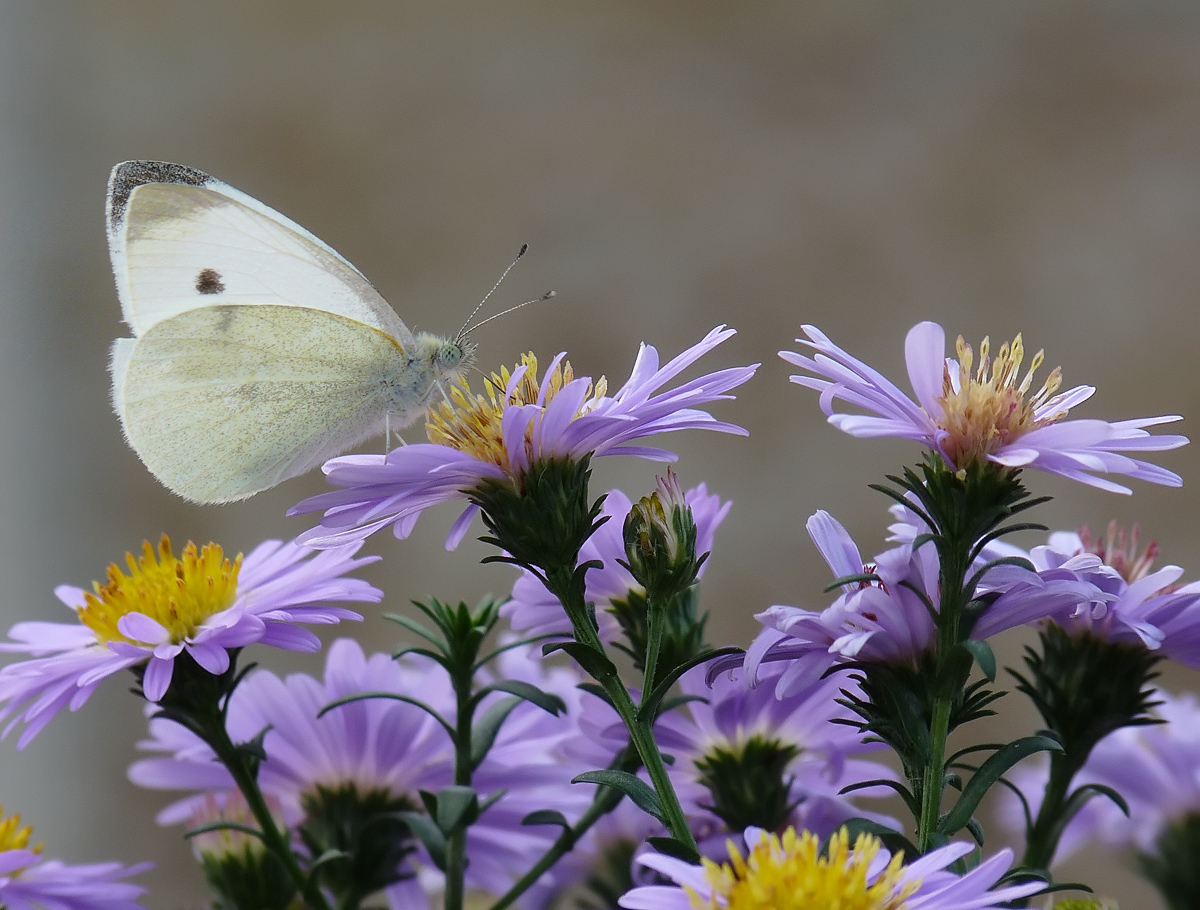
480,766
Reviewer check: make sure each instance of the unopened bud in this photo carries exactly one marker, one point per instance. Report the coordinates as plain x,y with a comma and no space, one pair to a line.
660,540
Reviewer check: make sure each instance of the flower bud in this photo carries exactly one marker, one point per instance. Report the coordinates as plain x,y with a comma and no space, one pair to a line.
660,541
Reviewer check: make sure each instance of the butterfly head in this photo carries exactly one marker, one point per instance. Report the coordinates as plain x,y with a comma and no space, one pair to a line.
449,358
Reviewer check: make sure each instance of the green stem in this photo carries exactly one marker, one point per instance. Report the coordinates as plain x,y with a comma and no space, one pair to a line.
568,588
456,843
931,789
654,634
235,761
1042,841
605,801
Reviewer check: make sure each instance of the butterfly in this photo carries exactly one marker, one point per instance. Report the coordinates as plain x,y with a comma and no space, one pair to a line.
258,351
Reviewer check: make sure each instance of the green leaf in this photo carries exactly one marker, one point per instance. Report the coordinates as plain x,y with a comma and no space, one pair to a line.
594,662
484,733
990,772
547,701
428,834
328,856
641,793
675,848
456,806
547,817
417,629
223,826
981,651
394,696
857,578
648,710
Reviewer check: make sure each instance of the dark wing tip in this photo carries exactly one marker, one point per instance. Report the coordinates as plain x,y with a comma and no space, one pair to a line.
129,175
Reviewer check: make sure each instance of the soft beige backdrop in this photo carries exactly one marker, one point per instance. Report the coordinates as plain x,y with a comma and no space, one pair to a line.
1028,167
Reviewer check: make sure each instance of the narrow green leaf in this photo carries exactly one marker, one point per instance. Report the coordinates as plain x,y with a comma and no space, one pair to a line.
675,848
594,662
417,629
641,793
981,651
456,806
547,817
547,701
484,733
648,709
990,772
428,834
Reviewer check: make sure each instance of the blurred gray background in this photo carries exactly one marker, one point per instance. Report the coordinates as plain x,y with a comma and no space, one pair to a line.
1026,166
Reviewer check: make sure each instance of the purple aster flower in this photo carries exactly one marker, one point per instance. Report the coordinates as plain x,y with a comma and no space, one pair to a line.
1131,603
1156,768
29,882
522,419
799,758
382,746
199,603
792,872
535,611
887,621
983,416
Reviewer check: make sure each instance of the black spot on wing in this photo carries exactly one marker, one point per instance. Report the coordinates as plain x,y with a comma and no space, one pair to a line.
129,175
209,282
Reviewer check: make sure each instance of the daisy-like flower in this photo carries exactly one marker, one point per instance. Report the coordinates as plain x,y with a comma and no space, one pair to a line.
199,603
751,759
27,881
380,753
969,416
886,620
535,611
1132,602
792,872
521,420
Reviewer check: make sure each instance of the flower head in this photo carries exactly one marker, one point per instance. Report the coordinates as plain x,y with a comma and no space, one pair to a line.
970,413
791,872
1131,602
378,753
199,603
520,421
27,880
886,618
751,759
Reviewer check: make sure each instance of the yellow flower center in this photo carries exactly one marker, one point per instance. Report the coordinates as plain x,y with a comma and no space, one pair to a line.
15,837
986,411
180,593
471,422
790,874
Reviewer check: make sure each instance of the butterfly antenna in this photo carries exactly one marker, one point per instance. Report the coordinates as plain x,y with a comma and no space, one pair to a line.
462,333
547,296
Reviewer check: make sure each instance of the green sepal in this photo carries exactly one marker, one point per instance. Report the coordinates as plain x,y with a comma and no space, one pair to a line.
639,792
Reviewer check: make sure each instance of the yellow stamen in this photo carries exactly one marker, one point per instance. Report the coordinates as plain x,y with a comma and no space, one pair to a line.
471,423
983,412
15,837
180,593
790,874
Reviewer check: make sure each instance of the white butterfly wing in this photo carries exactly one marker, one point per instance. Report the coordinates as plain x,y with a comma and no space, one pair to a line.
180,239
222,402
